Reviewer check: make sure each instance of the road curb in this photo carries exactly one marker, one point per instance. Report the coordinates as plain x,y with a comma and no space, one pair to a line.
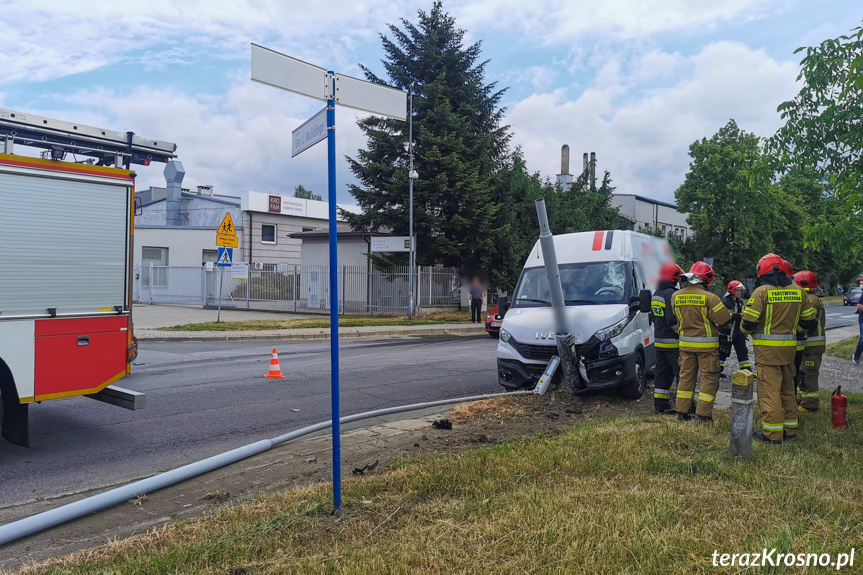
311,336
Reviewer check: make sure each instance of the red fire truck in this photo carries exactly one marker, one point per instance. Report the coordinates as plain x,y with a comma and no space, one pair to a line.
66,233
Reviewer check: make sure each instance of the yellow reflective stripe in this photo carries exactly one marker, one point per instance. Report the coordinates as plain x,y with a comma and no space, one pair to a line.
754,313
705,397
791,423
679,319
706,322
774,343
667,345
684,394
768,319
808,394
772,426
705,344
662,394
718,306
808,312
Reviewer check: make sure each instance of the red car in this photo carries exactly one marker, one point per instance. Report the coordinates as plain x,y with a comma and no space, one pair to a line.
492,322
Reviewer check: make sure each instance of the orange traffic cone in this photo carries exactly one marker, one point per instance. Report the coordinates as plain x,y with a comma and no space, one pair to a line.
275,371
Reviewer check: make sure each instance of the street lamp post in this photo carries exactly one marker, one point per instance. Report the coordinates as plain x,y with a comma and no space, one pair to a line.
412,175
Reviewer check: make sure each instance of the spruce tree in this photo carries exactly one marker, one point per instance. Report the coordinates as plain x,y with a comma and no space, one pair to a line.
460,142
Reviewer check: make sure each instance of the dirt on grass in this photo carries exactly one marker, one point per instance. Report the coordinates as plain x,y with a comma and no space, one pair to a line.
307,462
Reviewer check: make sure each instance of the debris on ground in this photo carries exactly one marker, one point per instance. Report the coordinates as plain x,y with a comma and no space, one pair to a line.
442,424
366,467
217,495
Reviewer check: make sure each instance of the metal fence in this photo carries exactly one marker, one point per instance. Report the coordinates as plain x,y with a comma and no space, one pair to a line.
298,288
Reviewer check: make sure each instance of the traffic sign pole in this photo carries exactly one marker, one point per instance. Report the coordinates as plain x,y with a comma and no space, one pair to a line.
286,73
334,293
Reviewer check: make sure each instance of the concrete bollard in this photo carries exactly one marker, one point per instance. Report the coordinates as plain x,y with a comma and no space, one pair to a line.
741,413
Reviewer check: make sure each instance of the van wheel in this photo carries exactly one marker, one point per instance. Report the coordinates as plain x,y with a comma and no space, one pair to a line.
635,388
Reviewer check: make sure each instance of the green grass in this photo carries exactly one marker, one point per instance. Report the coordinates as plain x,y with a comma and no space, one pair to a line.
844,349
630,495
324,322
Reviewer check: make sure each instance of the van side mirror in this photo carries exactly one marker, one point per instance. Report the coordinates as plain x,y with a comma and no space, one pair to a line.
502,306
644,298
139,206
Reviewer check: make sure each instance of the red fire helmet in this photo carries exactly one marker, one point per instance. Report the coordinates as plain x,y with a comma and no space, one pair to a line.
733,285
670,272
806,279
769,263
703,271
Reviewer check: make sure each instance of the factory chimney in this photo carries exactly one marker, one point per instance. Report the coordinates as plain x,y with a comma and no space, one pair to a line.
593,171
564,178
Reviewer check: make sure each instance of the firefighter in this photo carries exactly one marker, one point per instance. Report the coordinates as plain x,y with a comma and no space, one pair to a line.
730,334
667,345
815,345
772,316
698,314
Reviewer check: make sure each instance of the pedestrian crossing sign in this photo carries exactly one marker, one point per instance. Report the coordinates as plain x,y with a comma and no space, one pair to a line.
225,256
227,226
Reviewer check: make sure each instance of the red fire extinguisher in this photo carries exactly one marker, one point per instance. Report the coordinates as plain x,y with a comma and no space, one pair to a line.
839,409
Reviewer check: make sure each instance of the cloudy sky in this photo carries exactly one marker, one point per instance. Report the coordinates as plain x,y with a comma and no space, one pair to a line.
636,81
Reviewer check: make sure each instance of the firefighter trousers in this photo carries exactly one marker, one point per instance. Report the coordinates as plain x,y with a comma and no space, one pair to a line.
693,363
807,382
777,399
667,368
738,340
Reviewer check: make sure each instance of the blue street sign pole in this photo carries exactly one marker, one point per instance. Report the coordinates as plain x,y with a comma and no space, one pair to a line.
334,295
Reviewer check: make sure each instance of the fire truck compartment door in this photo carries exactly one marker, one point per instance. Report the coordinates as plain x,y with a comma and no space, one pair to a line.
64,239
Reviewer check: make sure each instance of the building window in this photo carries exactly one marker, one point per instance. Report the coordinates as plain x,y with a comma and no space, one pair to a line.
308,229
158,259
209,256
268,233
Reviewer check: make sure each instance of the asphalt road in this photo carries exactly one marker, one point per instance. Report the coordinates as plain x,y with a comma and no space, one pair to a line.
208,397
839,315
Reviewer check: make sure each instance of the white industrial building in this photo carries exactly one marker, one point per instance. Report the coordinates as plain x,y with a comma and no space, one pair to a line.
643,212
270,222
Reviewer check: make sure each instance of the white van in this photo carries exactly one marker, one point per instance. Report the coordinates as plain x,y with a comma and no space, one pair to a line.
603,275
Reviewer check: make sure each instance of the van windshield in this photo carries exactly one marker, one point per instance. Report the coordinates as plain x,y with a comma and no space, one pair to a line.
583,284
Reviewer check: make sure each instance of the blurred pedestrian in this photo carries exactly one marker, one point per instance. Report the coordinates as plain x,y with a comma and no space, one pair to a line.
477,297
859,350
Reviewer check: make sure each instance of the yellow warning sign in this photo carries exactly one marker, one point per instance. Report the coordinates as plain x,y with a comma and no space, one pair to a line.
226,228
227,241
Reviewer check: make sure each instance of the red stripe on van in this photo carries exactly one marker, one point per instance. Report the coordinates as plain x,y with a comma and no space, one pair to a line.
597,241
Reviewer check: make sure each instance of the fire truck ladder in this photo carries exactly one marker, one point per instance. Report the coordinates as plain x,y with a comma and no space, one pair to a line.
57,138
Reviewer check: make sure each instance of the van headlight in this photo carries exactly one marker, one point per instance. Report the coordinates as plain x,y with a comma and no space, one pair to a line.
505,335
611,331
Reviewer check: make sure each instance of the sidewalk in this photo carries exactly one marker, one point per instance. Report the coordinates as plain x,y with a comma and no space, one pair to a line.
309,332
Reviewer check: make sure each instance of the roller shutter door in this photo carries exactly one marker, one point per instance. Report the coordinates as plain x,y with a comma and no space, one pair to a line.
63,243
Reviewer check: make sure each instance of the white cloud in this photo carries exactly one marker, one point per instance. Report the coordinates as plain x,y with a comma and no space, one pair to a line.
556,21
644,141
45,39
